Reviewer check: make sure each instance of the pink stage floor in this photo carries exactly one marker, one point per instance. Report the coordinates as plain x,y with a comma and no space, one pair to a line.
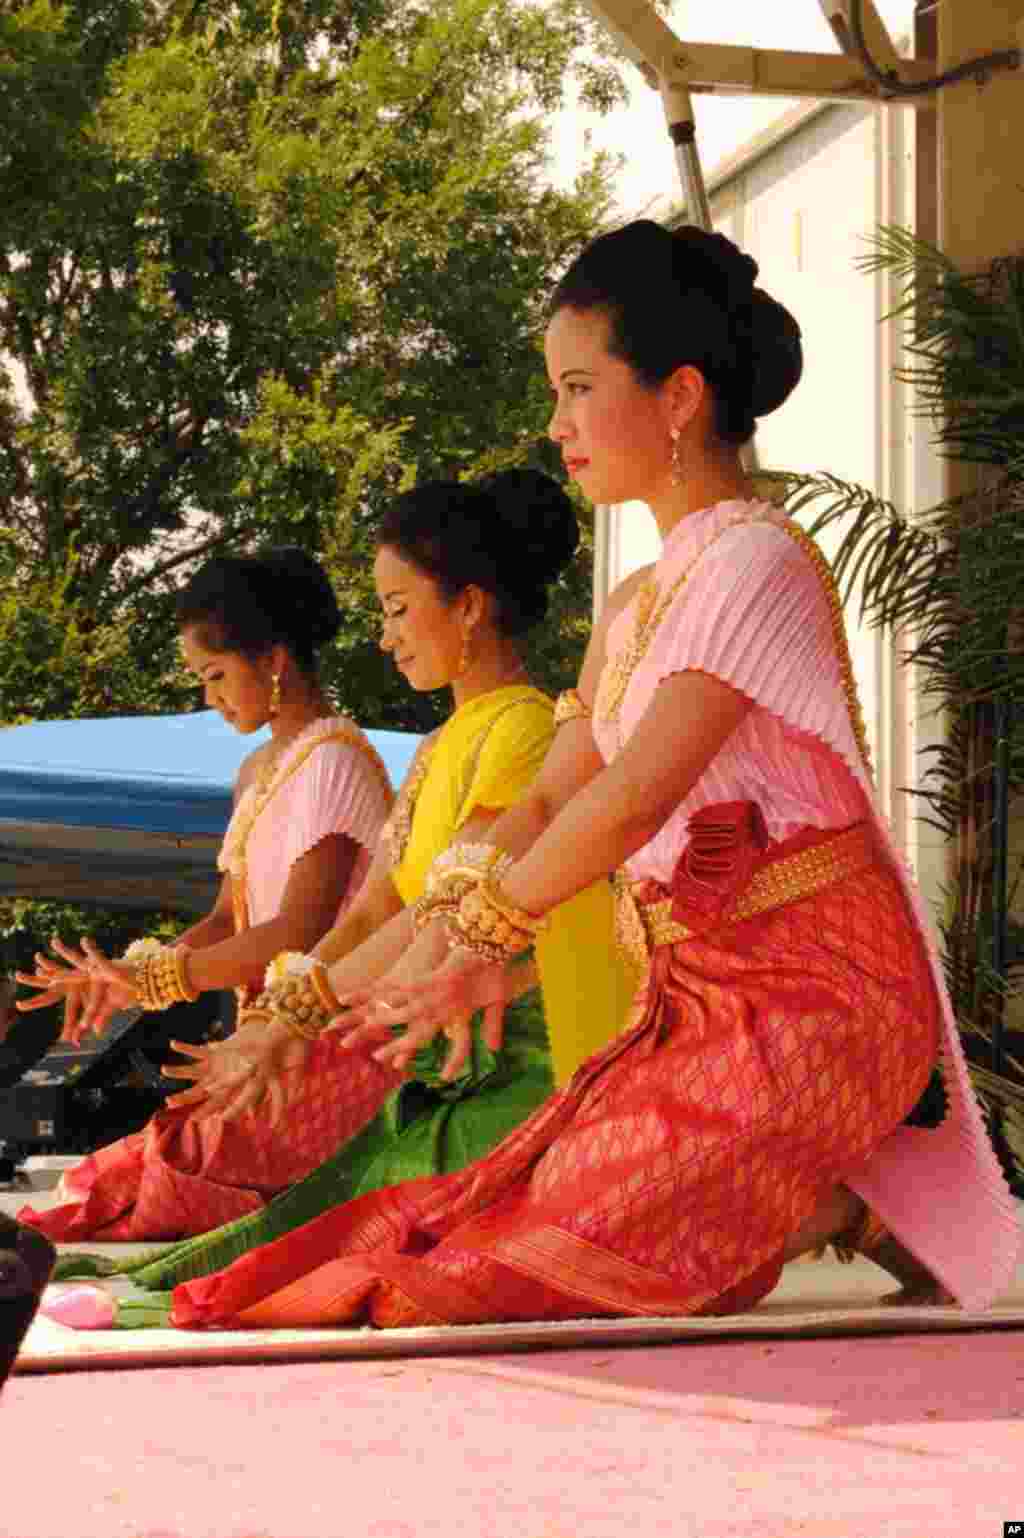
852,1436
869,1437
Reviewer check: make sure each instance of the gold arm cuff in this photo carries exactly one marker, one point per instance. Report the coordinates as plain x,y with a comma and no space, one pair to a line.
570,706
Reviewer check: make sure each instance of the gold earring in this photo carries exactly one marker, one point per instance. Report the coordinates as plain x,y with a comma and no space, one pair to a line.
466,652
677,464
275,695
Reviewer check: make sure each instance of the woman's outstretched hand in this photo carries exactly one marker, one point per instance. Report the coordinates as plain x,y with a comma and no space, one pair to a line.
228,1078
432,989
231,1077
91,987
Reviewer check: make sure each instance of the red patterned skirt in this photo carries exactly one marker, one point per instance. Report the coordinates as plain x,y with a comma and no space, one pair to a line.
778,1039
180,1177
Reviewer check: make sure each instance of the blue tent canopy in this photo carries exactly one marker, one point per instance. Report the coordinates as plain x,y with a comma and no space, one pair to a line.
127,811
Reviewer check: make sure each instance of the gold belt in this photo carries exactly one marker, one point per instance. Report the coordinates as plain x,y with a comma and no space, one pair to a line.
641,927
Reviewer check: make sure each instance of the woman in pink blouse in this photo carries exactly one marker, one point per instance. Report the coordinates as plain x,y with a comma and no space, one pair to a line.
309,807
792,1007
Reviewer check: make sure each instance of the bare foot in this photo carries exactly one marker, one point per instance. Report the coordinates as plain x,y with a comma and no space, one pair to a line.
918,1288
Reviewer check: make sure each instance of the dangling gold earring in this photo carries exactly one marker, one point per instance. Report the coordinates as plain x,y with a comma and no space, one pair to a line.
466,652
677,464
275,695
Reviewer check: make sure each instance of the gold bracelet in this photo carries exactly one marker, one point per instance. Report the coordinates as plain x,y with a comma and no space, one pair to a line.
456,872
519,918
161,980
297,1005
467,862
147,978
427,909
321,981
461,939
482,928
570,706
143,984
188,993
250,1013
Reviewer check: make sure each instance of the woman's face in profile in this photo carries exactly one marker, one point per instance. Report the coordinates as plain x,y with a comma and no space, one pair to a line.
238,687
418,628
612,430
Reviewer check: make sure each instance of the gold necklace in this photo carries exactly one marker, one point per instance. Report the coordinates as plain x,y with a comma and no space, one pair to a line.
398,828
615,678
395,832
647,617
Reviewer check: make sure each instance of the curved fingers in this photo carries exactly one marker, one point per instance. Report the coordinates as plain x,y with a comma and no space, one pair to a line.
188,1049
461,1036
185,1098
400,1051
43,1001
76,959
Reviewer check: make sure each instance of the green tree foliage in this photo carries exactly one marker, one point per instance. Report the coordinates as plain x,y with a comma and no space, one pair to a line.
261,265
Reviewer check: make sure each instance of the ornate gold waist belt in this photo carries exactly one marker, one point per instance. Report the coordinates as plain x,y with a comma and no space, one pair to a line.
640,927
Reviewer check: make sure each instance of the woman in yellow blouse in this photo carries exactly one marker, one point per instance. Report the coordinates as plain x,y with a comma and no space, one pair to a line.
462,571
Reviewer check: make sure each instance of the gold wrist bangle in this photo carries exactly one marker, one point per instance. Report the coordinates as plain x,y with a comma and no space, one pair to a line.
319,976
143,983
519,917
299,1029
570,706
460,938
251,1013
167,972
427,910
488,931
298,1006
467,862
186,990
161,980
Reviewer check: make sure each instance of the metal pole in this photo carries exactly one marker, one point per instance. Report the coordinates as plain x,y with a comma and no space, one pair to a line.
682,129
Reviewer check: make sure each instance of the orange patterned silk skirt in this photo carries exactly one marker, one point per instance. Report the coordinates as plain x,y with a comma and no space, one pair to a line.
183,1175
777,1040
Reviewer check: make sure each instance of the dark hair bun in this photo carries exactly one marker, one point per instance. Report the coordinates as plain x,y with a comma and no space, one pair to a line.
304,586
249,603
537,519
689,297
729,273
778,353
509,534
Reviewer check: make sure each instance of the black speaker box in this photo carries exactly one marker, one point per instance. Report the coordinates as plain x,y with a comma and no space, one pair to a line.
74,1099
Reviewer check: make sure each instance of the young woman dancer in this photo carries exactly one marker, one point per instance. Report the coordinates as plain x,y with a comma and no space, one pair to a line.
309,807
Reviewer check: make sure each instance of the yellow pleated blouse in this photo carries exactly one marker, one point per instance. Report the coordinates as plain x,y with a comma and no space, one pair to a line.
485,757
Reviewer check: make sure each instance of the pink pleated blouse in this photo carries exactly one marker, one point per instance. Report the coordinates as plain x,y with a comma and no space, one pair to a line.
330,781
753,611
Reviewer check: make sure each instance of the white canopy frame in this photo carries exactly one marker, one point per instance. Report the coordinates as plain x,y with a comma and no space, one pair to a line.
678,69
